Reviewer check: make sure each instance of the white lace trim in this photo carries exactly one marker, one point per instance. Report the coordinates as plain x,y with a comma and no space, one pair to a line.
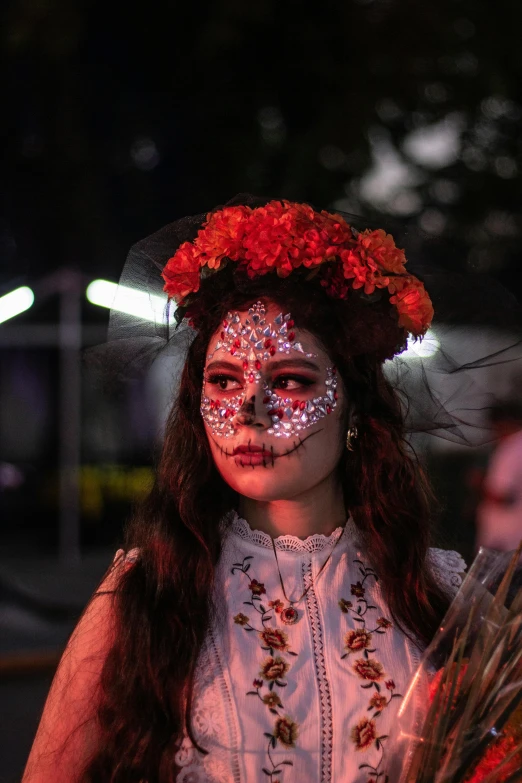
447,567
214,725
315,543
325,696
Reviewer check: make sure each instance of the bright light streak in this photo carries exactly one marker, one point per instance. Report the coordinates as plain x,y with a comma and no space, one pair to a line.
15,302
149,307
422,349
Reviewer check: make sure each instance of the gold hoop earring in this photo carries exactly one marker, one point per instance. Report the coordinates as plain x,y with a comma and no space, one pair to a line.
351,435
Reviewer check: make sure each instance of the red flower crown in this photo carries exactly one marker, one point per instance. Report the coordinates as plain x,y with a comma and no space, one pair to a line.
283,236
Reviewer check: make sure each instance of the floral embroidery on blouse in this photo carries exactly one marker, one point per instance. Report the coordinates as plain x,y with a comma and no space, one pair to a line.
273,669
360,641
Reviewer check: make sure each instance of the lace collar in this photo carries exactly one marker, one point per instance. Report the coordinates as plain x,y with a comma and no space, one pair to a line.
314,543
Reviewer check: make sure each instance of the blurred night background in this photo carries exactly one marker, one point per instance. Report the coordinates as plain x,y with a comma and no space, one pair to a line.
120,119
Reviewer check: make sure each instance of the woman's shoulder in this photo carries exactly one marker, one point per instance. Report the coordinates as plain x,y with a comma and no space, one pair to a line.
121,562
68,729
448,567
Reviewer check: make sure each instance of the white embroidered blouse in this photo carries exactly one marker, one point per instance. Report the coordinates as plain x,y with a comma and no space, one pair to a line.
313,701
309,702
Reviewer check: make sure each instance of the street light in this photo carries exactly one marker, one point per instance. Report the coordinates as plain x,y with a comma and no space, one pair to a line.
15,302
149,307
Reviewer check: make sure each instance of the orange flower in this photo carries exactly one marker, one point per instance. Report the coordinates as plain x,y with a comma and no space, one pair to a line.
181,272
272,700
369,669
378,247
283,236
336,228
273,669
221,236
286,731
275,639
378,702
364,734
357,640
363,273
412,302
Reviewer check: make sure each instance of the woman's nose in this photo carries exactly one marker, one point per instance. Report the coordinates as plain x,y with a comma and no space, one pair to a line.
247,412
253,412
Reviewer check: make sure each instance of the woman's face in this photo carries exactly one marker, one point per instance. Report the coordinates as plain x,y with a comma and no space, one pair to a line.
272,405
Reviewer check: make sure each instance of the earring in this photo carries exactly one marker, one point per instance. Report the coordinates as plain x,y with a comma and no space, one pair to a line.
351,435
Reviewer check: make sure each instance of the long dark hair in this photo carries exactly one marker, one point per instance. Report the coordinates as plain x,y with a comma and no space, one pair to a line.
163,604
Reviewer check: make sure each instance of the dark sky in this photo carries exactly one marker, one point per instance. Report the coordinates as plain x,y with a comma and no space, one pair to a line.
121,118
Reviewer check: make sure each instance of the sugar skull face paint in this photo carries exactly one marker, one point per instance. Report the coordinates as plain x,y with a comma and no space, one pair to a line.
254,341
278,413
289,417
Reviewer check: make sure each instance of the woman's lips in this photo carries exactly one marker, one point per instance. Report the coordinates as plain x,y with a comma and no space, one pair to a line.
251,450
249,458
252,455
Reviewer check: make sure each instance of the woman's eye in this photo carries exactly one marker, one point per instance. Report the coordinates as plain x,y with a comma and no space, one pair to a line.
223,381
290,382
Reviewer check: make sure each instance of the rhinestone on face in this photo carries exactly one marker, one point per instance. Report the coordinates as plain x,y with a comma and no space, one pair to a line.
253,341
303,415
235,341
219,419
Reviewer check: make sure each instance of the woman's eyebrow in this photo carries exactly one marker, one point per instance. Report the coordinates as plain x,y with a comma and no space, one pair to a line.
222,365
279,363
272,365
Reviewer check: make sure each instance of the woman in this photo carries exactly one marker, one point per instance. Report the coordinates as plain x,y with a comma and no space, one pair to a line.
278,585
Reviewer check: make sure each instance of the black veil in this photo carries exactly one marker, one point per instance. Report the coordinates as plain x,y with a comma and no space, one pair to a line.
447,382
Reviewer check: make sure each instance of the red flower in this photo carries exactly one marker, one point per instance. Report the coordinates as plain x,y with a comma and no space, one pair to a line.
256,587
364,273
437,679
364,734
493,756
221,236
377,247
357,640
275,639
336,228
286,731
283,236
333,279
277,605
369,669
382,622
358,590
390,685
412,302
258,683
273,669
181,272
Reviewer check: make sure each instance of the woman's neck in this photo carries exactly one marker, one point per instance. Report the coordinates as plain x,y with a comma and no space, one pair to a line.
320,509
